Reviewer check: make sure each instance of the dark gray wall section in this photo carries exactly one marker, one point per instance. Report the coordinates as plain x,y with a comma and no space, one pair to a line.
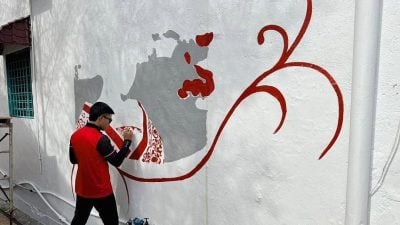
87,90
181,124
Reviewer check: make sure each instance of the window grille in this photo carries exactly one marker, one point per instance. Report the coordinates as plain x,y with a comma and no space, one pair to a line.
19,83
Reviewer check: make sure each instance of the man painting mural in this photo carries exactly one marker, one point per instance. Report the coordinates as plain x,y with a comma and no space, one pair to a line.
91,150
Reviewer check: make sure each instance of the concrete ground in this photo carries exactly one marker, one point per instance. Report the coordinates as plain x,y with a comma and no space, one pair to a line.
19,218
4,220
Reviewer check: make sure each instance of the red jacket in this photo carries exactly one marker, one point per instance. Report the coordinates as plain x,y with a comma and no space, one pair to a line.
93,177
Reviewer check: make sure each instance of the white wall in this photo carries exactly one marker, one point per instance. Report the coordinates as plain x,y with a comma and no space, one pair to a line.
253,175
385,202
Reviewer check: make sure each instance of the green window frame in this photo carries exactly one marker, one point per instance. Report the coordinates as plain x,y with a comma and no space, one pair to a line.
19,84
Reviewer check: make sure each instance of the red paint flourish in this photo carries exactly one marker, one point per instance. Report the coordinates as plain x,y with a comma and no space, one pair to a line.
205,39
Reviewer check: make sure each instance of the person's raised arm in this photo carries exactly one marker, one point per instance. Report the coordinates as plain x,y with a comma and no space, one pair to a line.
107,150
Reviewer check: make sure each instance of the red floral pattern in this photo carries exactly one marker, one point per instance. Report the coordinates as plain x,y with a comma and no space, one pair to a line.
154,151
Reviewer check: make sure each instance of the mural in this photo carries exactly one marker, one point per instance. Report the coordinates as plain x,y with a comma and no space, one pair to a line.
156,84
165,90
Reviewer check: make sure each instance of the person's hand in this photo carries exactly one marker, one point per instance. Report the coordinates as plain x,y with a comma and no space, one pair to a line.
127,134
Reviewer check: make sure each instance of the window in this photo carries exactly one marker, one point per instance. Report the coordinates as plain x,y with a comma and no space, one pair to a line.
19,83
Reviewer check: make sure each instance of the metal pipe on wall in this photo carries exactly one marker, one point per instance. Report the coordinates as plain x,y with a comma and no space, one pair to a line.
367,29
35,81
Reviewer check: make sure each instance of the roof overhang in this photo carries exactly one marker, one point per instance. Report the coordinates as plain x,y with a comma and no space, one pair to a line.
17,32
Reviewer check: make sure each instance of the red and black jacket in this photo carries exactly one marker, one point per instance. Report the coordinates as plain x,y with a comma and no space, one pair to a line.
91,149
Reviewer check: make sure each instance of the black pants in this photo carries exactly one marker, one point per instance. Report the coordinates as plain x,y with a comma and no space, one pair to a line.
106,207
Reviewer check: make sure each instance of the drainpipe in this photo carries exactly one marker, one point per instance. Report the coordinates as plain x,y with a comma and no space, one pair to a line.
35,80
367,28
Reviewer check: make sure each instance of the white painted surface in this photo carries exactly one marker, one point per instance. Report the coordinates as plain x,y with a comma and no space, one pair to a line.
385,202
254,176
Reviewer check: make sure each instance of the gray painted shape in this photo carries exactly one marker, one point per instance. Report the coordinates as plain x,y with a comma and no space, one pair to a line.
156,37
181,124
86,90
41,6
171,34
